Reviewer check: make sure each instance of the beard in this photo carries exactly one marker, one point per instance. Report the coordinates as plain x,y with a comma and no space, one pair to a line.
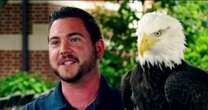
83,70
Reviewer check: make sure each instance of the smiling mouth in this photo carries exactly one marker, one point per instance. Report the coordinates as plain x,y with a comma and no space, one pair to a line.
68,62
68,59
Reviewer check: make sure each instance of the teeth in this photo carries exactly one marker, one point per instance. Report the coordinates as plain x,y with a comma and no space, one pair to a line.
68,62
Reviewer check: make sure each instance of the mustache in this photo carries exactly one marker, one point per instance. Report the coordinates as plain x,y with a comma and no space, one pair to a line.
68,57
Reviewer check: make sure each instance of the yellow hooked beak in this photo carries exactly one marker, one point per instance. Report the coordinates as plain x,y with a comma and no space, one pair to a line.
146,43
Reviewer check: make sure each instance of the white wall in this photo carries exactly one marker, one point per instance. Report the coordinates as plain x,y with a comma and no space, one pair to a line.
38,40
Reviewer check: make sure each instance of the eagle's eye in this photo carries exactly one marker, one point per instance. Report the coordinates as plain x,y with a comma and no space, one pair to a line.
157,34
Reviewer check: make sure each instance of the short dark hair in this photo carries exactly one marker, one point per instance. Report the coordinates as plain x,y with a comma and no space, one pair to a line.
89,21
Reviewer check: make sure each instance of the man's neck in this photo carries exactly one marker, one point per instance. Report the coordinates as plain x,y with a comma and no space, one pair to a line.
83,93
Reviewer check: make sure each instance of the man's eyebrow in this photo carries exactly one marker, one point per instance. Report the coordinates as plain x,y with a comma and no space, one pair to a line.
70,34
75,33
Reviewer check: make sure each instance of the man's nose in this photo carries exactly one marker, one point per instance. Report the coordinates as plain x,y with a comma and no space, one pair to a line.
65,47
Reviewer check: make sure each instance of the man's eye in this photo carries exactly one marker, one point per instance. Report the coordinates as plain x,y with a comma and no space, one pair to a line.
54,42
75,39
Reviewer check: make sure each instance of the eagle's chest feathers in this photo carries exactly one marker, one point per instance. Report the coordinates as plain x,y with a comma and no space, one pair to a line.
147,84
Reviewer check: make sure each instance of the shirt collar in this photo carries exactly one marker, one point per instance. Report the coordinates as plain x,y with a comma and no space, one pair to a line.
59,102
57,99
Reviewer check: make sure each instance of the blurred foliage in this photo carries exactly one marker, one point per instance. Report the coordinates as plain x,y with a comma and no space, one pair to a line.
120,40
24,83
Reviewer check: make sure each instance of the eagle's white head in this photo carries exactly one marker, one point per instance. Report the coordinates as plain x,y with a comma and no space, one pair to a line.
161,40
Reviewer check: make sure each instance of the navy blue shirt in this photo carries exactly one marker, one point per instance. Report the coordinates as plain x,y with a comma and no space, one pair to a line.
108,98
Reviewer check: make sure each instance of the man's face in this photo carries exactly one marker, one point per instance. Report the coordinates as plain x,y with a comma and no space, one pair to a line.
71,52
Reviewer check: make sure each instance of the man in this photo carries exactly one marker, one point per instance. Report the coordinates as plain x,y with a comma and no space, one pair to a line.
75,47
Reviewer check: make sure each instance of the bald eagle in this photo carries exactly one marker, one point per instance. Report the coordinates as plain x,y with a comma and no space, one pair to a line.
162,80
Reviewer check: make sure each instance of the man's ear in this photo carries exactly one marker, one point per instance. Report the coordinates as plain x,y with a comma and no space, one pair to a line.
100,48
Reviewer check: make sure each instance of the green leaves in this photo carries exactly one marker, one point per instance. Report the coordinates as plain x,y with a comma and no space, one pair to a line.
23,83
197,52
119,39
